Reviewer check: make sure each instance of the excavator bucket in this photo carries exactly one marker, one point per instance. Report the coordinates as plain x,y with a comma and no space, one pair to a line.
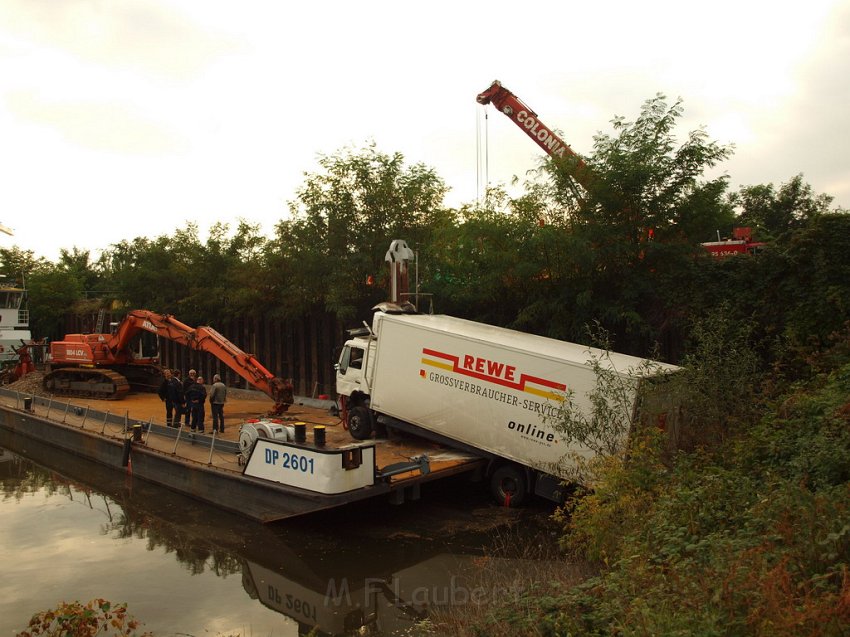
284,395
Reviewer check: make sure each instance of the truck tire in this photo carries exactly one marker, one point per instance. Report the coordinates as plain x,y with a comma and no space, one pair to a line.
509,485
360,423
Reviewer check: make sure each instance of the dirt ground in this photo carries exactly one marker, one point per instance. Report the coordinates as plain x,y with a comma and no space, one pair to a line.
241,405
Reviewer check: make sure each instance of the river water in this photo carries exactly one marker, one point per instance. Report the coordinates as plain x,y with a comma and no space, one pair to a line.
71,529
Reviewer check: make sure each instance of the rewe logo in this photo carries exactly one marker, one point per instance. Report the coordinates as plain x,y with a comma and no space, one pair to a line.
488,367
494,372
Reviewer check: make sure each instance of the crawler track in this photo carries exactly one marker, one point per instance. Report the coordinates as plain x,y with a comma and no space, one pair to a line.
86,382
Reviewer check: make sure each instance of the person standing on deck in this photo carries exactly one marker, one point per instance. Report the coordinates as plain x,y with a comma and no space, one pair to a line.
170,392
187,383
196,396
218,396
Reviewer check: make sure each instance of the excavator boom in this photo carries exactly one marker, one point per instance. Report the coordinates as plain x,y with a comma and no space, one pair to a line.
101,360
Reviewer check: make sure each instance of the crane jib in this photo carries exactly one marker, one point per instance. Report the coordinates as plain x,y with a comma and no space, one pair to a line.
543,135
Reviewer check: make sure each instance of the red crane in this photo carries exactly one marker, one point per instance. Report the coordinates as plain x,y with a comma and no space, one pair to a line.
528,121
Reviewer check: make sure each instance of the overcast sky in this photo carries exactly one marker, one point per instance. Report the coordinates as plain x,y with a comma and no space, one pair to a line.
126,118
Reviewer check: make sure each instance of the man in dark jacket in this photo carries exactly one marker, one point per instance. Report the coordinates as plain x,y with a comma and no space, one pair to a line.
196,396
187,383
171,393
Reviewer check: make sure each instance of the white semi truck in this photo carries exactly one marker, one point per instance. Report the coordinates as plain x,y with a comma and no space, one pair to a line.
487,390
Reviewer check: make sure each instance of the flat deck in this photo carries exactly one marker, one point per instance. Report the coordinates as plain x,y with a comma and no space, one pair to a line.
108,419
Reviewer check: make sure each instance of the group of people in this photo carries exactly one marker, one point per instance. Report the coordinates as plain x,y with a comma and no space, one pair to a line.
187,398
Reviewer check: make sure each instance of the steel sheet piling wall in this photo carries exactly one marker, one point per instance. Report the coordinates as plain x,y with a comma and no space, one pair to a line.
301,349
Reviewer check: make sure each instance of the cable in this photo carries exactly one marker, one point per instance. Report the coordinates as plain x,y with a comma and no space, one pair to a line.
482,157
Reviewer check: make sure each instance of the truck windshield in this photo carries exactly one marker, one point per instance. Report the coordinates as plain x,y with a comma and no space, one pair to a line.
342,365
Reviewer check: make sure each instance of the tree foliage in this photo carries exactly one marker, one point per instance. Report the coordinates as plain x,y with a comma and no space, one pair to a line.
773,213
622,250
330,252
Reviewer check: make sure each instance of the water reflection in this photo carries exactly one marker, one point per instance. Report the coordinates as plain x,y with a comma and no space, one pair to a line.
338,571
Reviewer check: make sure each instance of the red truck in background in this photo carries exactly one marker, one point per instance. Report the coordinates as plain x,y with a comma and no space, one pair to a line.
740,243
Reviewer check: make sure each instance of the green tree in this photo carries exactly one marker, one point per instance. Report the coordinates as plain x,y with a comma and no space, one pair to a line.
773,213
341,224
155,273
16,265
816,289
78,264
52,293
619,250
225,273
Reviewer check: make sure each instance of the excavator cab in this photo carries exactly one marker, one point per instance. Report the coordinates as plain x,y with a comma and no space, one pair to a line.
144,346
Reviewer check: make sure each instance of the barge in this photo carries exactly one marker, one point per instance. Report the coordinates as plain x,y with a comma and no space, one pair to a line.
262,478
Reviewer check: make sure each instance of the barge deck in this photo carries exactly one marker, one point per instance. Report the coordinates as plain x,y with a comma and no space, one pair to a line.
278,479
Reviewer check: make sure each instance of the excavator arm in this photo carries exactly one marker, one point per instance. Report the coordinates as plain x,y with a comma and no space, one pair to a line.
204,339
527,120
280,390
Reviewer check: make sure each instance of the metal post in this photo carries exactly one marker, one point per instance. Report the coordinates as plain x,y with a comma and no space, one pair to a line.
105,416
148,432
17,400
177,440
65,415
49,404
126,420
212,446
85,415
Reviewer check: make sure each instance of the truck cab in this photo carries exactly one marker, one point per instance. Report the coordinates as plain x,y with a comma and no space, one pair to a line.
350,369
353,383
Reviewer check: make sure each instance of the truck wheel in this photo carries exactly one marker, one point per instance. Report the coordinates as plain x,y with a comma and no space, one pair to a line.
509,486
360,423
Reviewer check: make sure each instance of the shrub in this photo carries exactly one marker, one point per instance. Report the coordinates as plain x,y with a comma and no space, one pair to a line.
74,619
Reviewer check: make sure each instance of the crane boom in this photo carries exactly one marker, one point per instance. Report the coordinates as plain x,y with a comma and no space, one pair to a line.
527,120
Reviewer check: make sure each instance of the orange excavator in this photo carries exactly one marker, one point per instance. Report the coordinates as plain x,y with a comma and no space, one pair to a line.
106,366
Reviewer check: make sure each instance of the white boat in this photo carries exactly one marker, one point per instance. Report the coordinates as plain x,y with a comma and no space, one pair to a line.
14,320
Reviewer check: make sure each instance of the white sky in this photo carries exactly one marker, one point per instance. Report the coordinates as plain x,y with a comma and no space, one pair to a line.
126,118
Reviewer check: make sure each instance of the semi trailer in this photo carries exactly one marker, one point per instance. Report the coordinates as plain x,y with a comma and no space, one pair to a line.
495,392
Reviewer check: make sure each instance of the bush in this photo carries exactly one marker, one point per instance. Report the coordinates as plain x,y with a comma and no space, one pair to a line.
747,535
74,619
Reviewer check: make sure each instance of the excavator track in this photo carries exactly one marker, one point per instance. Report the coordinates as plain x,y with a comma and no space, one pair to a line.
86,382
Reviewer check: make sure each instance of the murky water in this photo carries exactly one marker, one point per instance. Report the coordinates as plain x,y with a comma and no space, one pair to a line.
73,530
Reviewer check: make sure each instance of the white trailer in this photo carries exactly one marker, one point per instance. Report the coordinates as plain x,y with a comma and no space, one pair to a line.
490,390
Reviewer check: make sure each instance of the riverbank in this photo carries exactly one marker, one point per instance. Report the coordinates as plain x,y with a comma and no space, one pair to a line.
747,536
